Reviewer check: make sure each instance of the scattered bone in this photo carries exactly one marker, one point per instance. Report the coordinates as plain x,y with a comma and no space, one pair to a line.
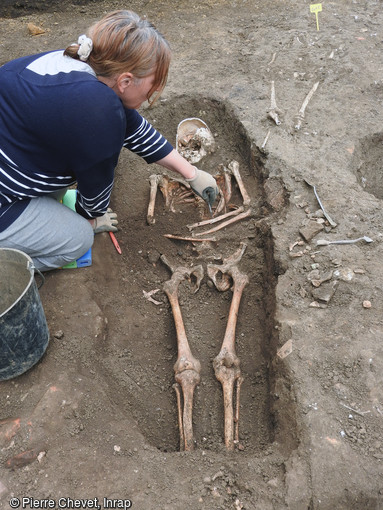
216,219
285,350
148,296
301,114
226,363
194,139
191,239
265,140
332,223
361,413
187,368
296,243
238,217
273,59
324,242
273,112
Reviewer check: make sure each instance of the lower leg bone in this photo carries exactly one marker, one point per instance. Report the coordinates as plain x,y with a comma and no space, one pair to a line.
187,368
226,364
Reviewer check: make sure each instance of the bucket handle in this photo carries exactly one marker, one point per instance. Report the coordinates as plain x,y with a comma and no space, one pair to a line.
32,270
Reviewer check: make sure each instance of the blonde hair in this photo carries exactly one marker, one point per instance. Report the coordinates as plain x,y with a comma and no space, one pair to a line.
124,42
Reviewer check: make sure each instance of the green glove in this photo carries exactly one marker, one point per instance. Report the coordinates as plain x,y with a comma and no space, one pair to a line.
205,186
106,222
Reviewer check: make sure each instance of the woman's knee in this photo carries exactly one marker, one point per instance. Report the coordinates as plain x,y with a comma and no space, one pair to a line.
82,239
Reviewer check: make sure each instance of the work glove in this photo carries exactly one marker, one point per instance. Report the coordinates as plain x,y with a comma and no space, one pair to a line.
205,186
106,223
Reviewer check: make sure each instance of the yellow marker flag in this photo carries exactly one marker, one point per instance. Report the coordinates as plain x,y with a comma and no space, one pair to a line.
316,8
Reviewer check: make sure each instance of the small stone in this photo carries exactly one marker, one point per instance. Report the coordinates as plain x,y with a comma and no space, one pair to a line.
59,334
302,292
325,292
366,304
273,483
35,30
316,304
153,256
345,274
310,230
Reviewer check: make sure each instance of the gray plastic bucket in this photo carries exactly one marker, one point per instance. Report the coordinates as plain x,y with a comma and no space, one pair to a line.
24,332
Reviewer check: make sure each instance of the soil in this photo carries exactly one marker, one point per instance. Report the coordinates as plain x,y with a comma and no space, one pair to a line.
98,413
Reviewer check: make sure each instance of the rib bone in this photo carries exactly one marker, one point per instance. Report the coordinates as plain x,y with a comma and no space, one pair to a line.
226,364
187,368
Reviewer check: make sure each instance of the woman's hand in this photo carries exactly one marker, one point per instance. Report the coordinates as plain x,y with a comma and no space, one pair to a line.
204,185
105,223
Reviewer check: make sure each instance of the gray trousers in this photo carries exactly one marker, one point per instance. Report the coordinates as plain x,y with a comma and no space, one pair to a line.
49,232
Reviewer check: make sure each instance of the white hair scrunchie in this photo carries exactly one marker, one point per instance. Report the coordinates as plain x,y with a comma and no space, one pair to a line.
86,45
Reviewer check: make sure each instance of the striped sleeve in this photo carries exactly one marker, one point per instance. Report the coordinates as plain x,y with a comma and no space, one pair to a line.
144,140
93,195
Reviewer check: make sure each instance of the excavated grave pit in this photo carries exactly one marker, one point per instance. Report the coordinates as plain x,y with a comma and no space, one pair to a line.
367,164
139,350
